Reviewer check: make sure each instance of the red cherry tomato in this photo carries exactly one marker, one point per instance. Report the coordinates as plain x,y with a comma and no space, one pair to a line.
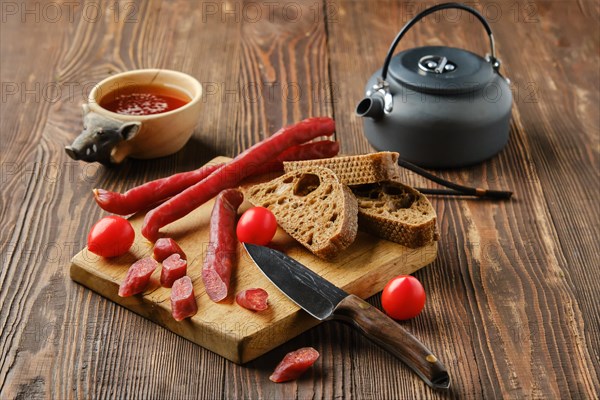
403,297
256,226
110,237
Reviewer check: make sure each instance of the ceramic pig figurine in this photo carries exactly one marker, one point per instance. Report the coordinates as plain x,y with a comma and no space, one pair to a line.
100,136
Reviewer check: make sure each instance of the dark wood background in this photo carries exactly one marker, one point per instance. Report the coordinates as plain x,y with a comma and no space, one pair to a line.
512,298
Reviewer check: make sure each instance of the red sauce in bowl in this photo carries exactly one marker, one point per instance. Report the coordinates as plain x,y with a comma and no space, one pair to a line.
143,100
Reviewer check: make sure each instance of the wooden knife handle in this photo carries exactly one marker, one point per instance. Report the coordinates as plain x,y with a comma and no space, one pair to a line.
384,331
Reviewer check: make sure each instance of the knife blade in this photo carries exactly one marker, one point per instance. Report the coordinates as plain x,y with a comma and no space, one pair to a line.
325,301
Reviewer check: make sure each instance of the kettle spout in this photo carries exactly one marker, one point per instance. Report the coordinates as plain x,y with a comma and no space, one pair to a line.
372,107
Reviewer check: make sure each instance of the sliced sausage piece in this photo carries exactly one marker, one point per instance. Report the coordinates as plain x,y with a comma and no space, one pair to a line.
253,299
183,301
164,247
220,257
294,364
138,277
174,267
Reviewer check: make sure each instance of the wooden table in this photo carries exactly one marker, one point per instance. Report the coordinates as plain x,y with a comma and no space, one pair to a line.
512,298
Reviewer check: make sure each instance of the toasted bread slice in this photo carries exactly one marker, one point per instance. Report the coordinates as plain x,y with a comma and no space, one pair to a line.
396,212
356,170
313,207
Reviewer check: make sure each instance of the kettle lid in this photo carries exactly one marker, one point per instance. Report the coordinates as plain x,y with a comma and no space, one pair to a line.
440,69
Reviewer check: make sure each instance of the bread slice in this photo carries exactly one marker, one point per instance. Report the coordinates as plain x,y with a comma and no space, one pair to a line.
313,207
356,170
396,212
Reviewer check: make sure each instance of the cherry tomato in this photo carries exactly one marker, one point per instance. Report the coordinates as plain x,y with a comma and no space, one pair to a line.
256,226
110,237
403,297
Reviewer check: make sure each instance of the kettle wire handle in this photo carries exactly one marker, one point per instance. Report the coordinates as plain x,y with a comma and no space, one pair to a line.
492,58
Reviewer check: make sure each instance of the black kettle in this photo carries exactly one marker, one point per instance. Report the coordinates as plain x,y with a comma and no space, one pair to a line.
439,107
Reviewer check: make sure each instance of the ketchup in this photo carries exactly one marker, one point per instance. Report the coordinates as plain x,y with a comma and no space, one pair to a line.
143,100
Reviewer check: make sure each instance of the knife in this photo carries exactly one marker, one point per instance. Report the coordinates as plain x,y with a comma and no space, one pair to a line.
325,301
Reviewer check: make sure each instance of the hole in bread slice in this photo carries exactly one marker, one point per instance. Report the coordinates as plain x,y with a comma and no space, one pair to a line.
307,184
309,239
393,190
333,217
367,191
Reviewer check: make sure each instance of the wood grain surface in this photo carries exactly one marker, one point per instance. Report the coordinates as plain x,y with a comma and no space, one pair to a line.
512,304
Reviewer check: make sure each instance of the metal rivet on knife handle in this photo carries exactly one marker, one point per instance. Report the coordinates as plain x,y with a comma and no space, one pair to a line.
431,358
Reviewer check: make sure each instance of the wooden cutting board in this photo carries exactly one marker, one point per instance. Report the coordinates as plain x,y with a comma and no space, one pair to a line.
225,328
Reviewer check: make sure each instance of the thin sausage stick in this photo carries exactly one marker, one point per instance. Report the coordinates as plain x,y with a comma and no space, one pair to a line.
157,191
232,173
220,259
150,193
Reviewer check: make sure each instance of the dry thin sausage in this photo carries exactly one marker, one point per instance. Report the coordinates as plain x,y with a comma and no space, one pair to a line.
155,192
220,257
150,193
232,173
